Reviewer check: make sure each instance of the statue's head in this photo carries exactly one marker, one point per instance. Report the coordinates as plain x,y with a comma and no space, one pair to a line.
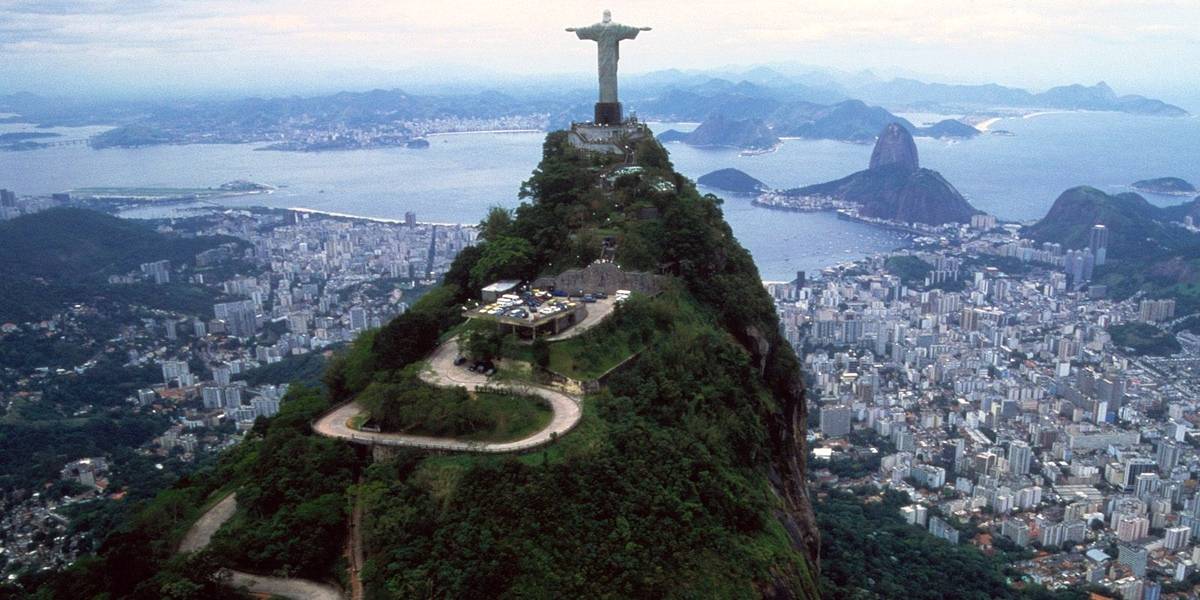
607,15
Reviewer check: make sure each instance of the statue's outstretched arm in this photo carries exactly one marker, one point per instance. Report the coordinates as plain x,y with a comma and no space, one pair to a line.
585,33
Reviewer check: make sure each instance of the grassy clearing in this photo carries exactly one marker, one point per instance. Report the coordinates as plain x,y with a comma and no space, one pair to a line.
583,357
587,357
417,408
513,417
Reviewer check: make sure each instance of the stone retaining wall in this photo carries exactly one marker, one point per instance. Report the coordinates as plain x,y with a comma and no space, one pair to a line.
602,277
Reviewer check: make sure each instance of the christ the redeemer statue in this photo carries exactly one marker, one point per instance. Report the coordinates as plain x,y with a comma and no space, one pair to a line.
608,36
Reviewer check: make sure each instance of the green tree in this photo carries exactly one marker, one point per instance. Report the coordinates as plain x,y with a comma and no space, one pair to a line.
484,343
652,155
503,258
541,352
496,224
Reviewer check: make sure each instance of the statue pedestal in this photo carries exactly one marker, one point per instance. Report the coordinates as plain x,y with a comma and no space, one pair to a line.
608,113
618,138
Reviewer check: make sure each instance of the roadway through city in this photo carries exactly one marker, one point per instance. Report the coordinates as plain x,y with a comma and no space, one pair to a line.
443,372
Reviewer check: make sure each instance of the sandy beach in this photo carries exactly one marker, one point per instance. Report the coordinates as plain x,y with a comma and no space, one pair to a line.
986,124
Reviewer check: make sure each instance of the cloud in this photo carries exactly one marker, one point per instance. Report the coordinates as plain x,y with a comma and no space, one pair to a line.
208,37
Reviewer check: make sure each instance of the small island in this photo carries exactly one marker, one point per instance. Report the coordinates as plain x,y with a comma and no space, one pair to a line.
241,186
948,129
24,136
24,140
732,180
1165,186
115,199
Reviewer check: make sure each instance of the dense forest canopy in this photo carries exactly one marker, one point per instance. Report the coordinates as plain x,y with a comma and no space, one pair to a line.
684,478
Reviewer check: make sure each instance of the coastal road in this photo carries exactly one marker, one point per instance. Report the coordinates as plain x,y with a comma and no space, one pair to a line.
443,372
198,537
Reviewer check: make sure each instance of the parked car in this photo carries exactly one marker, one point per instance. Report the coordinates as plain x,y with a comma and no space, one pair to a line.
589,298
460,361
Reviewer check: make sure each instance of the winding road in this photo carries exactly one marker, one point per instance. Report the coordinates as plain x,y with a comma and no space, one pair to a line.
443,372
201,534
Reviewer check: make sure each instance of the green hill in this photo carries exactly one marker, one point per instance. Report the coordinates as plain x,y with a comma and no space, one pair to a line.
1147,249
732,180
663,488
1136,228
684,479
65,255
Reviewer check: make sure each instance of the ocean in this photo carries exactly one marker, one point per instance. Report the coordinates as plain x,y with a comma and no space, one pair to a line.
459,177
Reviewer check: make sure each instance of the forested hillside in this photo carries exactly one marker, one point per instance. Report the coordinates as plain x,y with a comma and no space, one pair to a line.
62,256
685,477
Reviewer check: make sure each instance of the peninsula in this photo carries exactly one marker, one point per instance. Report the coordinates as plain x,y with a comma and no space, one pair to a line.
893,188
1165,186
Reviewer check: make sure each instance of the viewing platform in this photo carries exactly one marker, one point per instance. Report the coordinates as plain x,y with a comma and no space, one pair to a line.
620,139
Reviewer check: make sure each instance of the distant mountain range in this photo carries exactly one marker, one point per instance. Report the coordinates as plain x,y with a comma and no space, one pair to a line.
684,91
917,94
808,104
850,121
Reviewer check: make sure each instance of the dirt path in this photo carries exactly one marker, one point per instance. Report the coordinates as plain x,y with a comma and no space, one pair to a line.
203,529
201,534
443,372
354,548
299,589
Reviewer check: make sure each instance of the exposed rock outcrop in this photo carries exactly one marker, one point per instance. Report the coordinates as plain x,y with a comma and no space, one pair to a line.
895,187
895,147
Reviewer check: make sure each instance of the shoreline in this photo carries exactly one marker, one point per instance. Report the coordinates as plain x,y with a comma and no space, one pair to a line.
385,220
474,131
985,125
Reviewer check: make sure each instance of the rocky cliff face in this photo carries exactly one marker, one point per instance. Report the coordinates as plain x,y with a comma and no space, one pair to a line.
895,146
895,187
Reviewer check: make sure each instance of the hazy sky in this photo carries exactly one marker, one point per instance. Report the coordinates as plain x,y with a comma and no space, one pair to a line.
78,46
